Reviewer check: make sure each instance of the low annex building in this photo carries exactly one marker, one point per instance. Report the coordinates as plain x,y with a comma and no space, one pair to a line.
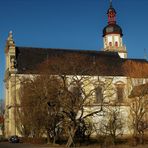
112,62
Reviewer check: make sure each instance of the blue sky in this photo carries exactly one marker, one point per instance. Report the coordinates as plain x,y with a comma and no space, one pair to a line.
71,24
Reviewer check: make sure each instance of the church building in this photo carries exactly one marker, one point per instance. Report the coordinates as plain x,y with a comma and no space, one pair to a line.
112,62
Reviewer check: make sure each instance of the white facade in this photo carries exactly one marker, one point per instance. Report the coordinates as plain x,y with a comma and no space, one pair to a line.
113,43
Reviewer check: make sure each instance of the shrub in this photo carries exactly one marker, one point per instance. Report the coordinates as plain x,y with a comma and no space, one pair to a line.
34,140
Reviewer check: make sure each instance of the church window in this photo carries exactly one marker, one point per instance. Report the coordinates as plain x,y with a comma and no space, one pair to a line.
76,93
110,43
120,93
98,94
116,44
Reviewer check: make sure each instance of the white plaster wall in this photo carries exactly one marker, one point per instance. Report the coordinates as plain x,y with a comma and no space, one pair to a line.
97,80
122,55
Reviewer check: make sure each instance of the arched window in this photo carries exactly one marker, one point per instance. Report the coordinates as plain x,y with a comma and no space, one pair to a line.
110,43
120,87
98,94
76,93
116,44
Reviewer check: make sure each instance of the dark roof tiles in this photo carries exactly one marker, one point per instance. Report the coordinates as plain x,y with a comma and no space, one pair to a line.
86,62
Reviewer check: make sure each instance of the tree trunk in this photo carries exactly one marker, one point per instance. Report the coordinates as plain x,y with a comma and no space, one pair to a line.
71,133
48,139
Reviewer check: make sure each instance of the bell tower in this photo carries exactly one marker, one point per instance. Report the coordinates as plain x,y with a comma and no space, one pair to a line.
112,34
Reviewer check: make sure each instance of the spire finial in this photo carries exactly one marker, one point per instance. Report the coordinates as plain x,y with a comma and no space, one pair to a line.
110,3
10,34
10,38
10,42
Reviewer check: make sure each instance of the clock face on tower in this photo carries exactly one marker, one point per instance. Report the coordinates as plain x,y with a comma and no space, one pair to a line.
109,29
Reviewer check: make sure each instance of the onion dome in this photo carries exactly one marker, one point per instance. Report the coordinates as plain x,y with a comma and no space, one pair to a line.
112,29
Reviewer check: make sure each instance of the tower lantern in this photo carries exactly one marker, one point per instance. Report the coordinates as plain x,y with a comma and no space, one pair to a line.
111,15
112,34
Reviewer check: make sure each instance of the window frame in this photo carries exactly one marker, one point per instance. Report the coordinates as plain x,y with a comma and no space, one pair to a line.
120,91
98,94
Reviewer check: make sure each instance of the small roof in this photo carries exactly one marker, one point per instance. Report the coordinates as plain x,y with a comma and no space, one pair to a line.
111,9
112,29
140,90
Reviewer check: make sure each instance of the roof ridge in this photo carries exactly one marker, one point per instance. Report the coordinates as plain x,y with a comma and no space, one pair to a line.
72,50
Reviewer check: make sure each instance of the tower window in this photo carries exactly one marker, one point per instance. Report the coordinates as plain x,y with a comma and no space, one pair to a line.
116,44
110,43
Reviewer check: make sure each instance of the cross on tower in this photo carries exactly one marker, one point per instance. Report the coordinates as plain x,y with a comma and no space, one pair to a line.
110,3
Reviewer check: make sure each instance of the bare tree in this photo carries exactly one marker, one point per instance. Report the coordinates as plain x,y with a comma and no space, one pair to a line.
112,125
78,96
137,77
33,110
138,108
68,87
